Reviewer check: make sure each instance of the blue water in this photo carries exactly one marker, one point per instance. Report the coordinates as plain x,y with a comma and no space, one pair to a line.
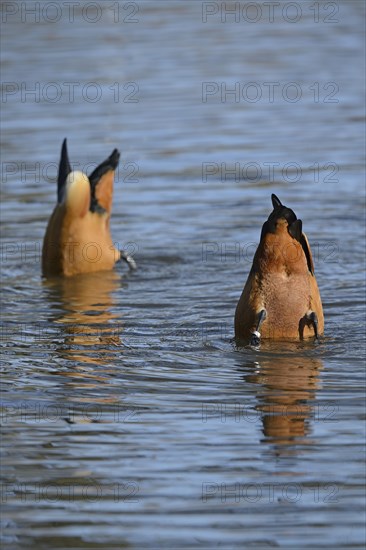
129,418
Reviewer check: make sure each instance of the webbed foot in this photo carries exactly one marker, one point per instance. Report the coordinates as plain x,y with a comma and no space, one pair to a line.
128,259
255,338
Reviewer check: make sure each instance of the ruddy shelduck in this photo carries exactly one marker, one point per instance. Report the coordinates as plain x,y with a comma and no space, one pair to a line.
281,299
78,238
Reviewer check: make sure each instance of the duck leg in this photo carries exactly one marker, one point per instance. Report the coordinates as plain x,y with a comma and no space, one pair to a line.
256,335
312,317
128,259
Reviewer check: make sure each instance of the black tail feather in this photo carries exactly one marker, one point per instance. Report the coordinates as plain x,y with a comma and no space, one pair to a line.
64,170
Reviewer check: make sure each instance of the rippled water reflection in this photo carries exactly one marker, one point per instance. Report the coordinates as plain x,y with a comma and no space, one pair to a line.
129,418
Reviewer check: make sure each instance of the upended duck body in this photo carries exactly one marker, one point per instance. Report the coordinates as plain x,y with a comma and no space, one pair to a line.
78,238
281,299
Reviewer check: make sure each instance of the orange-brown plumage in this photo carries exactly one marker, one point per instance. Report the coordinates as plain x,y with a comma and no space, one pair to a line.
104,191
281,284
78,238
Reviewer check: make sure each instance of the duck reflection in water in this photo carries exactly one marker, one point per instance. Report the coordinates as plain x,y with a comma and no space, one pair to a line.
91,331
285,397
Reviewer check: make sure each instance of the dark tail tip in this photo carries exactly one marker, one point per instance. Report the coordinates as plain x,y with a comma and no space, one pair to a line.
276,201
114,158
64,170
